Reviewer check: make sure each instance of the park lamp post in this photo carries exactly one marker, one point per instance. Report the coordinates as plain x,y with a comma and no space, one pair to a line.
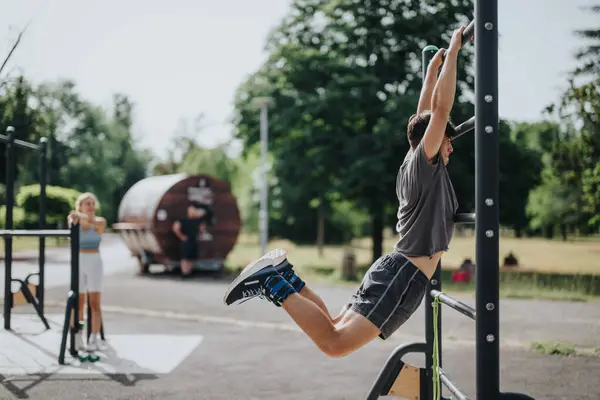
263,104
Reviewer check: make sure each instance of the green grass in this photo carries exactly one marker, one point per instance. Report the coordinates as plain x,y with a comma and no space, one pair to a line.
549,269
563,349
558,349
31,243
575,256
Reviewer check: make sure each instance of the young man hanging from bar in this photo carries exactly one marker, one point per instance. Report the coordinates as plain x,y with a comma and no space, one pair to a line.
394,286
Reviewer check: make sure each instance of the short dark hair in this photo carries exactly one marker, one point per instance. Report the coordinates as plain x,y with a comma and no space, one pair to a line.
417,124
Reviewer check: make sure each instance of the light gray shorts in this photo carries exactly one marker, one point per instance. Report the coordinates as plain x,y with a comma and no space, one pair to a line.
91,272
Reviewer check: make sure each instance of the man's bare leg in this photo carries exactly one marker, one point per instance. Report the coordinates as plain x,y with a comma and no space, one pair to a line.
309,294
353,332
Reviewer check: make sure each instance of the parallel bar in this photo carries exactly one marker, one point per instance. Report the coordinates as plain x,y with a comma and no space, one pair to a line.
35,233
464,218
458,305
486,200
21,143
465,127
451,386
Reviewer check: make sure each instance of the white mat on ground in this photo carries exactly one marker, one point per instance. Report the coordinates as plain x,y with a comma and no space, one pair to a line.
29,349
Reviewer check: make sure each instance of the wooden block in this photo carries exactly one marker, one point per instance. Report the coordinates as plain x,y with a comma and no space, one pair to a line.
407,384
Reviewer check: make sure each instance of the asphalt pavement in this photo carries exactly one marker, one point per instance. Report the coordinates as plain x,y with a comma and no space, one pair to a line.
169,338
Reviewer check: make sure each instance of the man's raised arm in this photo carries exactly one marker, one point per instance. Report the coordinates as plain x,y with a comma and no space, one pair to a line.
443,98
429,82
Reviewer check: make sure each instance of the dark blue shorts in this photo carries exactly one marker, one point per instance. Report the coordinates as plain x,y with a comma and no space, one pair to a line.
391,291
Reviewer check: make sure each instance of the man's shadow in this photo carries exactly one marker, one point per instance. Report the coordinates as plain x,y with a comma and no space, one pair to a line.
108,357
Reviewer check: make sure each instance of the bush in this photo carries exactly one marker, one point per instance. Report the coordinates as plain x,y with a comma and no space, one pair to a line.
18,217
59,202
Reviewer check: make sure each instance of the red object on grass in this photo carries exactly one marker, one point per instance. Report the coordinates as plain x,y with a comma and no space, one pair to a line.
461,277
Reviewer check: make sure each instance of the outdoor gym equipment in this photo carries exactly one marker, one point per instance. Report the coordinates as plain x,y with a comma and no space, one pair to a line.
400,379
25,294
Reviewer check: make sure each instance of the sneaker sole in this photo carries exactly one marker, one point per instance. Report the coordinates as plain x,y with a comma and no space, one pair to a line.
250,270
278,256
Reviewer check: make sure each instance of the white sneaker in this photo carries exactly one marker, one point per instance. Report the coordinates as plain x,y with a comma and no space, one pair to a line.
93,342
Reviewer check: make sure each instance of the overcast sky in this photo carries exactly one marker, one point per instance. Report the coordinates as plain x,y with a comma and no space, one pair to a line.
179,58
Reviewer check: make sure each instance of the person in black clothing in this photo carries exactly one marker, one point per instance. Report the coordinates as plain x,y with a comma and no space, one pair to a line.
188,231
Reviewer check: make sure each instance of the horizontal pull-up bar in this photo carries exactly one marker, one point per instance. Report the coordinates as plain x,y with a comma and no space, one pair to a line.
36,233
451,386
463,128
455,304
467,218
469,32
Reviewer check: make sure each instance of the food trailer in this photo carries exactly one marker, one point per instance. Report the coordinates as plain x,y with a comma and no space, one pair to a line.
151,206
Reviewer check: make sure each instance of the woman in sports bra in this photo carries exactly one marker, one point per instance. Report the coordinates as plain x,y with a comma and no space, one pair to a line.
91,228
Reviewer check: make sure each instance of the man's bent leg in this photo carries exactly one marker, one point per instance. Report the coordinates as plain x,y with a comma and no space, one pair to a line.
261,279
391,291
334,340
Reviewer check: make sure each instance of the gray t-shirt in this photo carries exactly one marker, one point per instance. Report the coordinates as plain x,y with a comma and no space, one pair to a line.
427,205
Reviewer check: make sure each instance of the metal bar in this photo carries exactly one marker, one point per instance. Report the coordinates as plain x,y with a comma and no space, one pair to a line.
65,332
42,217
436,279
9,200
458,305
35,233
27,145
20,143
445,379
465,218
466,36
390,368
434,284
486,200
33,301
468,32
465,127
74,229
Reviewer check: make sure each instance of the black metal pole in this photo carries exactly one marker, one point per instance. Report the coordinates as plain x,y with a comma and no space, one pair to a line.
9,200
42,216
66,330
74,284
486,200
436,281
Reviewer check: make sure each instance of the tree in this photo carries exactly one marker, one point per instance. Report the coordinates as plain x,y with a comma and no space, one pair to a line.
520,167
589,55
88,148
578,158
345,77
